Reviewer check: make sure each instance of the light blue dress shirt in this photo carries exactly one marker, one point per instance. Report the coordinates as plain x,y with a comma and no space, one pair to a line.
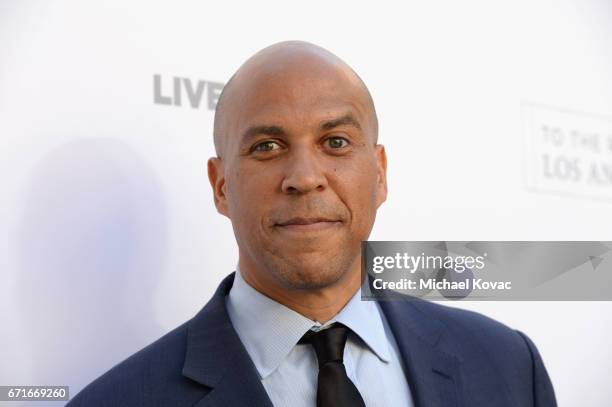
288,371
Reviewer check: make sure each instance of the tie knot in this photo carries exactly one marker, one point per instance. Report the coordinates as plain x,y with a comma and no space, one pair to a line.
328,343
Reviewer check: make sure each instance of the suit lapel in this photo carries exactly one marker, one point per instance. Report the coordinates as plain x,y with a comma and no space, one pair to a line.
433,375
217,359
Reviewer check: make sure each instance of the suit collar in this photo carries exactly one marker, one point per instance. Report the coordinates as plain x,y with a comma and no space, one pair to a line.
432,371
216,358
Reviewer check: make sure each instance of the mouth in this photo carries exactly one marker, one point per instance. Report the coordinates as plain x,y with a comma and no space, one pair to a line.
300,224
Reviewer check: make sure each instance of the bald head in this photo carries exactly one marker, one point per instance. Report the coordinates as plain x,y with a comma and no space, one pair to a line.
283,72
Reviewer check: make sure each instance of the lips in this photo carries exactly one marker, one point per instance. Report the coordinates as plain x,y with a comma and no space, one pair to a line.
308,225
305,221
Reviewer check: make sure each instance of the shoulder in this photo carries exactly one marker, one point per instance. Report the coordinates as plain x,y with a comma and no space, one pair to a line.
471,334
149,377
159,374
478,343
492,354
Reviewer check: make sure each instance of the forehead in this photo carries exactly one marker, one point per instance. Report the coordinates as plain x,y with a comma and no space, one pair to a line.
298,94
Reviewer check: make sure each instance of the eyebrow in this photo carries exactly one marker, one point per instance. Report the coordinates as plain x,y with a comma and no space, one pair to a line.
265,130
272,130
346,120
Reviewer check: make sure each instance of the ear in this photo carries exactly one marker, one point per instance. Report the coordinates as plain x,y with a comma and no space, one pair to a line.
216,176
381,165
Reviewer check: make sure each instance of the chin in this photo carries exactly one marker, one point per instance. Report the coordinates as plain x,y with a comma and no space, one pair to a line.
307,273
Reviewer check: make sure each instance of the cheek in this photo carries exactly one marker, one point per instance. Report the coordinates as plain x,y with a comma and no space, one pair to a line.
248,193
358,189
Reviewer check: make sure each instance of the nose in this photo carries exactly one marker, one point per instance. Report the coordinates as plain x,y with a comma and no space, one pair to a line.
304,173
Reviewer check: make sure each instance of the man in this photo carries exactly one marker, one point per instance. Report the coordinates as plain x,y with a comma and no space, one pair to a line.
300,175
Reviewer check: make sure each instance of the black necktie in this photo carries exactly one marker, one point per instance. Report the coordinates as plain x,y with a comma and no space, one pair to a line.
334,388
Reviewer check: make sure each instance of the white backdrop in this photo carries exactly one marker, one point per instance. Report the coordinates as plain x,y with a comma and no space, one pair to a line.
108,233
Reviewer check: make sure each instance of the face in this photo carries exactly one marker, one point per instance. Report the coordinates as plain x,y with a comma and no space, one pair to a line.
300,176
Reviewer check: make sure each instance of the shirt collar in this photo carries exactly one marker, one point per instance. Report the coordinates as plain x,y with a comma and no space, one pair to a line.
364,318
270,330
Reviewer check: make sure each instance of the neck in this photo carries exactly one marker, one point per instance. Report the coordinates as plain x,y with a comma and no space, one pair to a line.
320,304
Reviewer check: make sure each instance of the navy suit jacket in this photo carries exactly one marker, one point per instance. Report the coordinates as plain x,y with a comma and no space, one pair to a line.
452,357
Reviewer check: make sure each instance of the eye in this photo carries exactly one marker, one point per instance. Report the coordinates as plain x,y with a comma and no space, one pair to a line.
337,142
268,145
